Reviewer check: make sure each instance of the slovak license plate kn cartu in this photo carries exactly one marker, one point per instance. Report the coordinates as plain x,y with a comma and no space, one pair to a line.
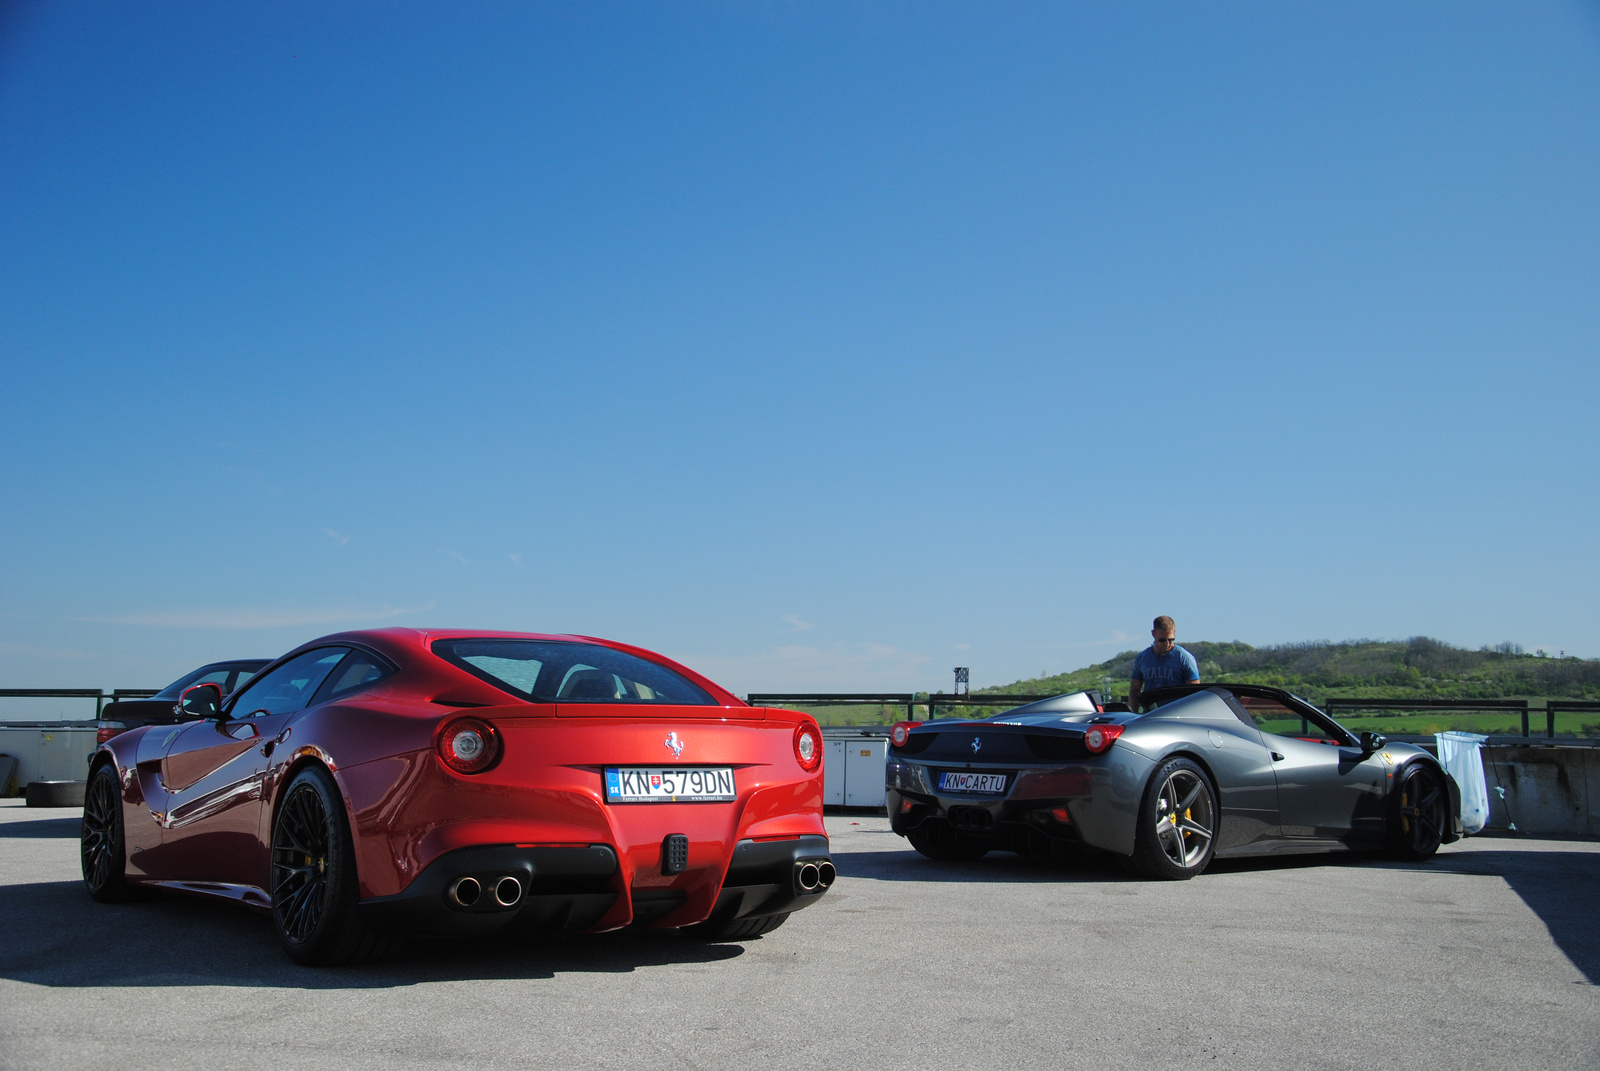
950,781
669,784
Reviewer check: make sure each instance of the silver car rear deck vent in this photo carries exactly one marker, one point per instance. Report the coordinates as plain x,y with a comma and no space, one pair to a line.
675,854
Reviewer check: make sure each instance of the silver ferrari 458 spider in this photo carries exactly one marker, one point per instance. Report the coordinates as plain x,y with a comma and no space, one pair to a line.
1205,771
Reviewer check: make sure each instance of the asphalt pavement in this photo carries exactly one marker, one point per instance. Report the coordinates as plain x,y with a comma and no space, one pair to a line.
1486,957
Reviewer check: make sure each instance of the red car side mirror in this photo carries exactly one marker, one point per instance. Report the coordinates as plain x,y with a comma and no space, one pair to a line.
201,701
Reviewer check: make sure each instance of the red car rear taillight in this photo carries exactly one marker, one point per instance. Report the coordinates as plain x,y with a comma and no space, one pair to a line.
808,747
468,745
1100,737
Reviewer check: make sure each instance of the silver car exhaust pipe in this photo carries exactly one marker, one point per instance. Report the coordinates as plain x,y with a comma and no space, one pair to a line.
825,875
808,877
507,891
464,892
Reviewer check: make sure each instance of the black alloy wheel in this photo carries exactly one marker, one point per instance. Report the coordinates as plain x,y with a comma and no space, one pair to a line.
314,889
1416,828
102,853
1177,829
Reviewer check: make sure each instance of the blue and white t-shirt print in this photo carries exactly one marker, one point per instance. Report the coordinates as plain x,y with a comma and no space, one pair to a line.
1157,670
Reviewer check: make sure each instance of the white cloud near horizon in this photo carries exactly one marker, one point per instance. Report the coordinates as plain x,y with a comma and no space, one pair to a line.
799,625
254,617
338,537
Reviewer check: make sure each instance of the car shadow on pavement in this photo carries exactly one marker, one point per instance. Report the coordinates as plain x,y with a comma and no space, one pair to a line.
1557,886
1560,887
996,867
58,936
53,828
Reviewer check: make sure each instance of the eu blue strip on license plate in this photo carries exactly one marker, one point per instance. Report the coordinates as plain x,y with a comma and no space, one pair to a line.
972,782
669,784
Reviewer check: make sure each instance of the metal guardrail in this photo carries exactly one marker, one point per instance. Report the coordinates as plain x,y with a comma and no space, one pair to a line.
100,698
963,699
935,700
1520,707
910,700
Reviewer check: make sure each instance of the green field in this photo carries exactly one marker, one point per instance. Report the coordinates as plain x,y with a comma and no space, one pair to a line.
1426,724
856,713
1418,668
1496,724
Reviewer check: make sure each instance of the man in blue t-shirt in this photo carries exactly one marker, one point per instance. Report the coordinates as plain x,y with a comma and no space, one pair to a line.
1162,663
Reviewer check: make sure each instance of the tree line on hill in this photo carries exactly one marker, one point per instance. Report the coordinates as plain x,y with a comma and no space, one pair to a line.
1416,668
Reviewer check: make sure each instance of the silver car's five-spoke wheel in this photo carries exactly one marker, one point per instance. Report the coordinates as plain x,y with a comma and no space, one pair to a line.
1177,822
1184,819
1421,809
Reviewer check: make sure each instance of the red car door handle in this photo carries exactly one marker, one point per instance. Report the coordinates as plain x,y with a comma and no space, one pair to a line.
266,748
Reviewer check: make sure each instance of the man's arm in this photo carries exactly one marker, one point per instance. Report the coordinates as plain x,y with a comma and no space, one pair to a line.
1194,667
1135,686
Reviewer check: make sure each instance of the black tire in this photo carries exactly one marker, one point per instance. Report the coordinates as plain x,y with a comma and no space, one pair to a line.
56,793
736,929
313,878
1176,835
1418,813
102,848
944,846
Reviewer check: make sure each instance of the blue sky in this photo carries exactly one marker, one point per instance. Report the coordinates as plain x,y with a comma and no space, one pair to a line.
821,346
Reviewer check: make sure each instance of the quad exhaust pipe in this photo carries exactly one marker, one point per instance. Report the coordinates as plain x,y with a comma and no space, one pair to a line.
467,892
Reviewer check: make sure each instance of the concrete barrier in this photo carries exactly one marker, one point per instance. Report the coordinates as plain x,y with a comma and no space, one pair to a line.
1543,790
47,751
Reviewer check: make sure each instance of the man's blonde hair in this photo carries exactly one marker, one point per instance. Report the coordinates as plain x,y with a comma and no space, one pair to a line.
1163,623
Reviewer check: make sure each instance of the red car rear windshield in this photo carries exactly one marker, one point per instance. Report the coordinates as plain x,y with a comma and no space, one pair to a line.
555,671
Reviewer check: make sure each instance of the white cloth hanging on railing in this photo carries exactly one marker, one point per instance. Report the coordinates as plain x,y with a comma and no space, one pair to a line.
1461,759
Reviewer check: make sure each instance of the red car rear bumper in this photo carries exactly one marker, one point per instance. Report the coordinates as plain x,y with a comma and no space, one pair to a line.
478,890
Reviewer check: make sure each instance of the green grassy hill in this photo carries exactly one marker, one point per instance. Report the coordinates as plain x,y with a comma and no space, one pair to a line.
1418,668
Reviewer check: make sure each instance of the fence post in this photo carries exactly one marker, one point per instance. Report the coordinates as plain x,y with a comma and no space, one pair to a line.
1525,732
1549,720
